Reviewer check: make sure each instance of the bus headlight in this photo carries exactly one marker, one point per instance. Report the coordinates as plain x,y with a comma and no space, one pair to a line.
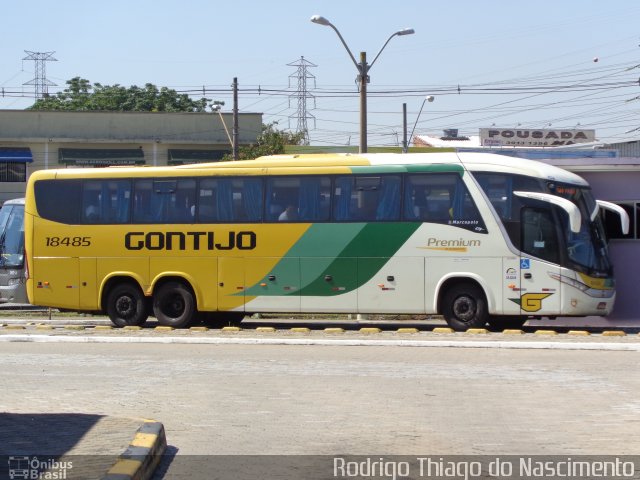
592,292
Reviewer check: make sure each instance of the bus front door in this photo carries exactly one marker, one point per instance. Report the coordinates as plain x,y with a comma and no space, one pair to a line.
539,263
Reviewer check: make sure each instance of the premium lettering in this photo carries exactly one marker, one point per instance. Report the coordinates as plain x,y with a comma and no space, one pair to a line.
461,242
190,241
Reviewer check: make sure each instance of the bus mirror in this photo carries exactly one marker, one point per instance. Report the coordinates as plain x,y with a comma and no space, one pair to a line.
624,216
575,219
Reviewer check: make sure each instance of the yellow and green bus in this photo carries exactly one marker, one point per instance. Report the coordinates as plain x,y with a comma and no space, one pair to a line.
478,238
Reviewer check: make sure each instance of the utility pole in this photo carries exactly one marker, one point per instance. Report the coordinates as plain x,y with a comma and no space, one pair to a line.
363,78
40,80
405,145
235,118
302,94
363,72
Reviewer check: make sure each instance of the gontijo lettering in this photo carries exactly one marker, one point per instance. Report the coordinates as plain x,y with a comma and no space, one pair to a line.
189,241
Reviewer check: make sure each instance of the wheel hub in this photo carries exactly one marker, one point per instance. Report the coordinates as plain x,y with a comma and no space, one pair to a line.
124,306
464,308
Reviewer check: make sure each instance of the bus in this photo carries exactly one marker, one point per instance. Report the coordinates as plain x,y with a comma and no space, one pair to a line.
477,238
12,281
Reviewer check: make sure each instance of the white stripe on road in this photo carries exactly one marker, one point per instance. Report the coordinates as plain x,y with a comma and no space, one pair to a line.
559,345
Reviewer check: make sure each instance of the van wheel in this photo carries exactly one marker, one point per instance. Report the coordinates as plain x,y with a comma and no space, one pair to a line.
126,306
173,305
464,306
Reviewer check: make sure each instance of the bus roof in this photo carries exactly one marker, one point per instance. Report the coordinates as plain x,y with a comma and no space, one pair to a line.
337,163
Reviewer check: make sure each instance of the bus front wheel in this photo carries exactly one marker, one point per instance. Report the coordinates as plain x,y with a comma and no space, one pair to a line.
126,306
464,306
174,305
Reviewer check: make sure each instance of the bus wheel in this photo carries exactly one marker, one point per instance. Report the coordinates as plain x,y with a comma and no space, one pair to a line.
126,306
464,306
174,305
502,322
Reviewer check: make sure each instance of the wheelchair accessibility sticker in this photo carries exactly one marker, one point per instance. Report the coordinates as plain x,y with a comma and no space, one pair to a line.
525,263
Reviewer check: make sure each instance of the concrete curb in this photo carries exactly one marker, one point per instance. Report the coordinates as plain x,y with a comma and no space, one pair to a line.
142,456
504,344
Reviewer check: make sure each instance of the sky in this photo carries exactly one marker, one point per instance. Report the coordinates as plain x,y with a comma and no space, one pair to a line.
558,64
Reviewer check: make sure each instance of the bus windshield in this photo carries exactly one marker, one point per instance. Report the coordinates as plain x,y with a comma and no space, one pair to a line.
585,250
588,247
12,236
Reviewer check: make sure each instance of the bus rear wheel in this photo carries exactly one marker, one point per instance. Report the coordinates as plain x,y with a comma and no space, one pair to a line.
464,306
174,305
126,306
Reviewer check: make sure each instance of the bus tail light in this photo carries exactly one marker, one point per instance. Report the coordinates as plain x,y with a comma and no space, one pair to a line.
26,266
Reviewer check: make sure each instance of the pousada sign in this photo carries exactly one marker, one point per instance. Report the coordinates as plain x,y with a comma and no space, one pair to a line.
525,137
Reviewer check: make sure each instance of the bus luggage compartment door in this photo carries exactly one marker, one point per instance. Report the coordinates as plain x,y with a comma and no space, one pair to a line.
56,282
329,284
393,285
231,283
273,285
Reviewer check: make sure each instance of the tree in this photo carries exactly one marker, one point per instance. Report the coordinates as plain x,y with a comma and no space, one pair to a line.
81,95
271,141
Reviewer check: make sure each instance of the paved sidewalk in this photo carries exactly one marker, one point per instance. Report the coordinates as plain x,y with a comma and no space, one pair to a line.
78,446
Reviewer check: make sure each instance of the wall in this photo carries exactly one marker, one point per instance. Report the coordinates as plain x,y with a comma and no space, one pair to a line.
621,186
153,132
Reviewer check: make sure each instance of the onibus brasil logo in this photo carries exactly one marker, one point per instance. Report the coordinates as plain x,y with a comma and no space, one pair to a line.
24,467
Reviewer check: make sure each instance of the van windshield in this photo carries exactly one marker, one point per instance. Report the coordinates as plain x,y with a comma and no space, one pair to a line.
12,236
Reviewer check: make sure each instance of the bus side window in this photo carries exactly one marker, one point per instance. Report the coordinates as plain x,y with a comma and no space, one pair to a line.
59,200
142,205
91,201
440,198
207,207
314,199
428,197
388,200
252,199
283,199
368,198
181,202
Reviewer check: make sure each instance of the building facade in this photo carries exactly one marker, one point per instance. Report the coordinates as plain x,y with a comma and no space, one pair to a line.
35,140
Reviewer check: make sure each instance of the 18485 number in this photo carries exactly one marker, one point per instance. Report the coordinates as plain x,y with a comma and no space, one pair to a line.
68,241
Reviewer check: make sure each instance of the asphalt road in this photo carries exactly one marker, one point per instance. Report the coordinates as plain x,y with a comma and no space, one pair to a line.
217,399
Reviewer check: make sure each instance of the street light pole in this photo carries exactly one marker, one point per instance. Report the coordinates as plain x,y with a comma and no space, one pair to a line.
363,72
428,98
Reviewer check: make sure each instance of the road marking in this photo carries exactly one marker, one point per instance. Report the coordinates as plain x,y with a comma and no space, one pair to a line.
533,345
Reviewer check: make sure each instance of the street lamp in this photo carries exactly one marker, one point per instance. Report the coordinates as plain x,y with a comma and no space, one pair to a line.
428,98
216,106
363,72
